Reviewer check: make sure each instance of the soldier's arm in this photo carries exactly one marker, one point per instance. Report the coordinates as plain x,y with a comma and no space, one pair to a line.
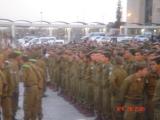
156,98
25,72
40,78
10,82
123,90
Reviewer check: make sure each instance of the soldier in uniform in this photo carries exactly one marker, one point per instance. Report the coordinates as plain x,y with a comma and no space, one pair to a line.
41,63
41,76
89,86
156,98
6,111
151,82
128,57
12,75
116,77
97,80
106,109
132,94
31,94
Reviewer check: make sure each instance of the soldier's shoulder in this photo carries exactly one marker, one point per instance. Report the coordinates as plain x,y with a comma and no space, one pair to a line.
130,77
25,66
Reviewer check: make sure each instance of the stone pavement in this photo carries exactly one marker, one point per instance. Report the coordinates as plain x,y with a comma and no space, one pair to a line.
54,108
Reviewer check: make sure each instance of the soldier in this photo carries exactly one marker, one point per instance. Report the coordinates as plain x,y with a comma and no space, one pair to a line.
106,109
89,86
151,82
116,77
97,76
128,57
156,98
41,63
97,81
137,58
12,75
74,71
132,94
41,75
31,94
6,111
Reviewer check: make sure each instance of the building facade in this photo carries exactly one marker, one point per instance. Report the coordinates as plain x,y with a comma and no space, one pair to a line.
143,11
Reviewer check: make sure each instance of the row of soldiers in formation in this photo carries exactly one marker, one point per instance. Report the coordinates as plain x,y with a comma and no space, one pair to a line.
113,82
16,68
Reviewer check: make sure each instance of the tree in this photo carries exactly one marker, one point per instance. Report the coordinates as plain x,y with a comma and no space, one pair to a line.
118,15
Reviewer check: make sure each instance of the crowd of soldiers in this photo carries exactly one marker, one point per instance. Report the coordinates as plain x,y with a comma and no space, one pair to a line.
16,67
110,81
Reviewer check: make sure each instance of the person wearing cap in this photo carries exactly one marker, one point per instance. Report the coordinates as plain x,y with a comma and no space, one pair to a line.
40,74
116,77
132,94
12,75
31,93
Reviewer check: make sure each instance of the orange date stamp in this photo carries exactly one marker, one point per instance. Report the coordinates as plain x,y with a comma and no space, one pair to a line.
130,108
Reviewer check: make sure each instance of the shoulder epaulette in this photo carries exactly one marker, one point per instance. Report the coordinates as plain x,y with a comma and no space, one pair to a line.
26,66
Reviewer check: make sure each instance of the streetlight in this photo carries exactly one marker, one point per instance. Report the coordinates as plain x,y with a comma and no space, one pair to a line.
142,31
129,14
155,30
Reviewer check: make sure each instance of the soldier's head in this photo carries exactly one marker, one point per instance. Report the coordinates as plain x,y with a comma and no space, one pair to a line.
32,60
24,59
16,55
139,56
141,69
127,54
155,64
118,60
108,55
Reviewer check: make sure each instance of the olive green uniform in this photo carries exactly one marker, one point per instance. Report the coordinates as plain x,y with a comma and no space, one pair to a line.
132,98
116,78
156,100
14,76
31,94
5,98
151,82
106,92
40,74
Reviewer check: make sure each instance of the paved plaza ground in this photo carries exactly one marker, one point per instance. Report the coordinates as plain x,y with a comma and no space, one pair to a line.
54,108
